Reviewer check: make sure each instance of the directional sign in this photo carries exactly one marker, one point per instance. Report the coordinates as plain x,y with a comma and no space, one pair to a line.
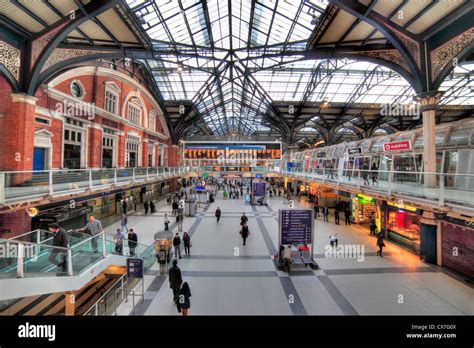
134,268
354,151
296,226
259,189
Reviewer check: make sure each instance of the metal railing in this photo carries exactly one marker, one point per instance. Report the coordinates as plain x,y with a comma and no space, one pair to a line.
441,188
17,186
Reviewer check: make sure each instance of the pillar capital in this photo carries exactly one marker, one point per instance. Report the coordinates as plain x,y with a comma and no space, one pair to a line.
23,98
428,100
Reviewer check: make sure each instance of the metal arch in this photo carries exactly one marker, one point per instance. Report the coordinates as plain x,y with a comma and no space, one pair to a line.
359,10
457,87
93,9
12,81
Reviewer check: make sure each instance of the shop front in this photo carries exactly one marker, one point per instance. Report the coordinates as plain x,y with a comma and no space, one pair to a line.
403,225
364,208
103,206
457,245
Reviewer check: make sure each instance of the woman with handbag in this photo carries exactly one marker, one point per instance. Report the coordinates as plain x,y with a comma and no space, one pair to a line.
187,243
183,302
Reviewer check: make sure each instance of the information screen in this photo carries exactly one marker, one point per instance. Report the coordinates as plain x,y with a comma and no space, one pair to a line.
259,189
134,268
232,151
296,226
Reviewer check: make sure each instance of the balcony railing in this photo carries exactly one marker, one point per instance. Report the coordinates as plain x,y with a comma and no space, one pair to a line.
19,186
440,188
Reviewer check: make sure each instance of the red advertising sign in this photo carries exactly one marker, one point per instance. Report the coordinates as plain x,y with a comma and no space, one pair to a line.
397,146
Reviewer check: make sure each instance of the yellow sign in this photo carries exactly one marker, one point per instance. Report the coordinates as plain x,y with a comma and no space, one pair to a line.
402,206
367,198
32,212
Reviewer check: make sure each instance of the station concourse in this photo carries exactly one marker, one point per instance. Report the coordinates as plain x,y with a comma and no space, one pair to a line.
343,130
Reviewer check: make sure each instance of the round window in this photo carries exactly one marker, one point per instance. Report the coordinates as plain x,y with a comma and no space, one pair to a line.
76,90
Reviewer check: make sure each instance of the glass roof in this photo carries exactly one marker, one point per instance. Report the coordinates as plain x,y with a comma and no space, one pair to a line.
230,60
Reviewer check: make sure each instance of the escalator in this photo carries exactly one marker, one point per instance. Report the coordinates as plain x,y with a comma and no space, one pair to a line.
33,274
54,304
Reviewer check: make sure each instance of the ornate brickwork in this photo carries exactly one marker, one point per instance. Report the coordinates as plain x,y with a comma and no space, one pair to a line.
10,58
393,56
445,54
61,54
39,44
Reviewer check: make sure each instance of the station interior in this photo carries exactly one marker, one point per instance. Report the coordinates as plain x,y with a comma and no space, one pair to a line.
269,157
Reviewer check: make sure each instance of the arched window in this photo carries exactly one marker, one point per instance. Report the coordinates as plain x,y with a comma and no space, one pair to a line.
134,112
152,121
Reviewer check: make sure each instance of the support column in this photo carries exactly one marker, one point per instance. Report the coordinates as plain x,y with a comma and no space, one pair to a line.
428,237
429,102
69,303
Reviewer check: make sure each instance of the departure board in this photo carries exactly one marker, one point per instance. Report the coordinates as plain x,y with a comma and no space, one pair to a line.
296,226
232,151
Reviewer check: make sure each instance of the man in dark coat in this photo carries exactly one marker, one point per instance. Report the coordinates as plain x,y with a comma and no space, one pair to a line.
218,214
243,219
60,239
174,275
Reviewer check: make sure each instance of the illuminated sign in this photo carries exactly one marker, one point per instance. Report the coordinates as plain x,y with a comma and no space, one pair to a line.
232,151
32,212
397,146
366,198
402,206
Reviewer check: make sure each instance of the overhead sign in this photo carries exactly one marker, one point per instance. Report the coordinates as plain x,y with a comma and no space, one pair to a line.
232,150
402,206
205,175
354,151
259,189
134,268
258,175
397,146
296,226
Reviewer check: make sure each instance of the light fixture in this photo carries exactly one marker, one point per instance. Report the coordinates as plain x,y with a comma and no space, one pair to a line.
141,18
179,69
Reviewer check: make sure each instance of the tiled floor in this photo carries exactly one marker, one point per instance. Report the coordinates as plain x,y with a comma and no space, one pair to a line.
227,278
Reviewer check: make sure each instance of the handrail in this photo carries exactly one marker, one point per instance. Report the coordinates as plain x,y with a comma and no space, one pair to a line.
83,170
105,294
30,243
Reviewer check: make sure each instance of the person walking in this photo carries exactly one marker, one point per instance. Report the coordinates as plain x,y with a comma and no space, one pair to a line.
119,237
374,171
187,243
183,304
94,227
60,239
123,222
287,257
177,245
243,219
175,279
132,241
347,214
166,221
179,221
124,207
373,225
244,232
175,208
380,244
152,207
218,214
336,216
316,211
333,241
326,213
145,206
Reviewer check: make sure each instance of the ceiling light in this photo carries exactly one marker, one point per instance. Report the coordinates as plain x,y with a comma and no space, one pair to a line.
315,20
179,69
